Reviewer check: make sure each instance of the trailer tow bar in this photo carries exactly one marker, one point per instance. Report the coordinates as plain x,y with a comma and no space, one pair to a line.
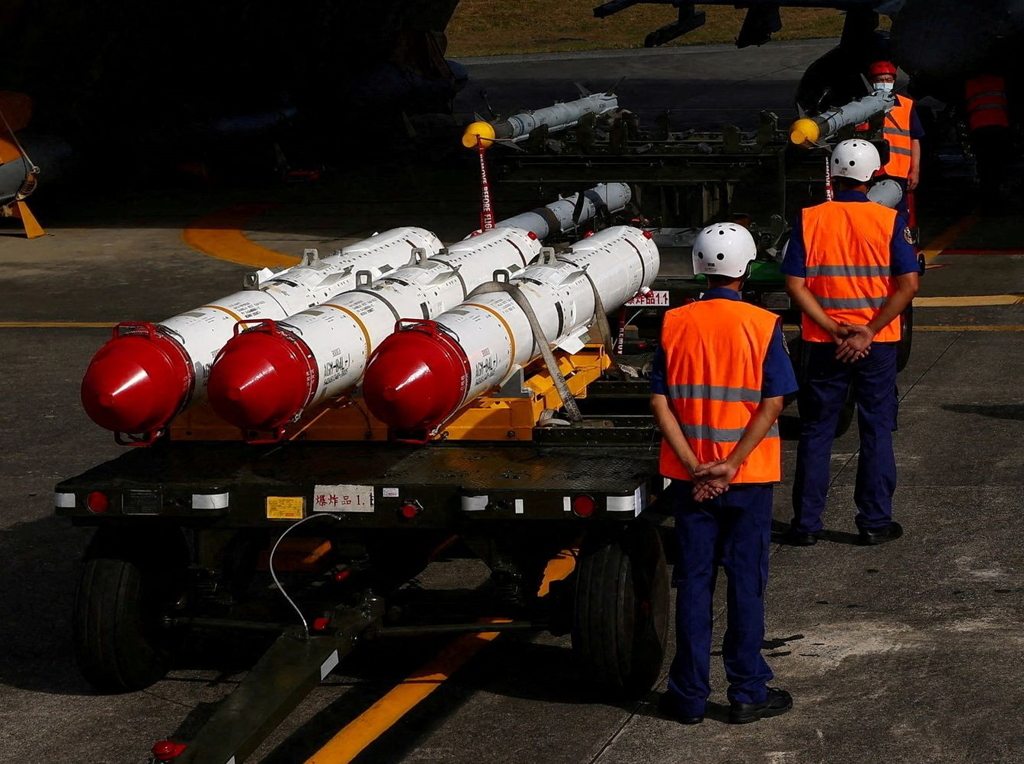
291,669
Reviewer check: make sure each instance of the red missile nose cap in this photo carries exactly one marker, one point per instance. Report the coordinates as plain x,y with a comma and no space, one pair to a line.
261,379
136,383
416,378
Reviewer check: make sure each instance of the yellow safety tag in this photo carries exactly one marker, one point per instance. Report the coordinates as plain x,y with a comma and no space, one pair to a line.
285,507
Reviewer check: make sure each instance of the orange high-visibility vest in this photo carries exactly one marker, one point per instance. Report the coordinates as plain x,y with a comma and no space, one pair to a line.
849,264
896,130
986,102
714,363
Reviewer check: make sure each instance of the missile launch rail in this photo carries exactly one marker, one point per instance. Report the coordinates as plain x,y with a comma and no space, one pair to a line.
187,533
679,178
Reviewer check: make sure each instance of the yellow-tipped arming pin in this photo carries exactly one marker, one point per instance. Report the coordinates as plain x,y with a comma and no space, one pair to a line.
482,130
803,131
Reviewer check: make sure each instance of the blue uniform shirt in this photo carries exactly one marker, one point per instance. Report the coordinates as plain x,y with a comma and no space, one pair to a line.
778,379
902,255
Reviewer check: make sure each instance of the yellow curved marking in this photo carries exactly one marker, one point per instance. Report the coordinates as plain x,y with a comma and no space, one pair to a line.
354,317
508,329
970,301
231,313
220,235
935,246
992,328
57,324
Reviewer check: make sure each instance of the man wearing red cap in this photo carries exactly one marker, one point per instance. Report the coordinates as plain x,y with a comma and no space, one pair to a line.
902,129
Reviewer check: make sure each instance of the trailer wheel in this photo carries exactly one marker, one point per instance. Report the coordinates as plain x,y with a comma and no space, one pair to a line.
620,623
121,643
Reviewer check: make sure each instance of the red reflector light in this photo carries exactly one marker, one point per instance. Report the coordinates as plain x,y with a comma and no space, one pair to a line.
97,502
166,750
648,235
409,510
531,235
583,506
321,623
341,575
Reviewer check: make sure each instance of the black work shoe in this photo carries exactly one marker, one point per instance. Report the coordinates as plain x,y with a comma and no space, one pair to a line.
891,532
778,702
795,538
669,708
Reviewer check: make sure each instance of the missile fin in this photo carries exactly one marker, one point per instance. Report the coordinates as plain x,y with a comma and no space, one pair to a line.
573,343
583,91
613,88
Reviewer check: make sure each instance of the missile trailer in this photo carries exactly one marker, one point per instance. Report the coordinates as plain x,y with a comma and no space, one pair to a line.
312,532
191,536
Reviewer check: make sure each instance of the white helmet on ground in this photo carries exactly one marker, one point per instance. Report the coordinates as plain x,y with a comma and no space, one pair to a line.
856,159
723,249
887,193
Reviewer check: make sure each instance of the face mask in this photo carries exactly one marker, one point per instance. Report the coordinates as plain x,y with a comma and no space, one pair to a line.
884,87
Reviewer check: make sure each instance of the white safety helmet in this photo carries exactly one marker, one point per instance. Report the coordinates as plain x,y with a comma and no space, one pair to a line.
723,249
856,159
886,192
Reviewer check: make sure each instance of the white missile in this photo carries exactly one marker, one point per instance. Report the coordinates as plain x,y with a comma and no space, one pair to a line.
271,374
148,373
421,376
558,117
561,216
807,131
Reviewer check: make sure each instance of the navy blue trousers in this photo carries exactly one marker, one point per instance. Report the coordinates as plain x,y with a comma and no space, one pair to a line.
732,530
821,400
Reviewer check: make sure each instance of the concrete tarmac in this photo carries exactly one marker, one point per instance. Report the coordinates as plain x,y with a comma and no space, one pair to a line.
908,652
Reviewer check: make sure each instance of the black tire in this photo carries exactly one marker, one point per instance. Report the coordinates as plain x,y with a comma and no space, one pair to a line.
121,642
621,610
907,340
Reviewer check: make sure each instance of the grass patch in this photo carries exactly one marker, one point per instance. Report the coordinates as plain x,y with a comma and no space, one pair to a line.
489,27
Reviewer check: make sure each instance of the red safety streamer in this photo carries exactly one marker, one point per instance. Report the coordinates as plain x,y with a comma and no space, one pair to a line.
486,208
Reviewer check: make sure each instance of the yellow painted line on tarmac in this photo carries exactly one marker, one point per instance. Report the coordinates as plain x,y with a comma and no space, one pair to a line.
994,328
358,734
382,715
934,248
57,324
969,301
220,236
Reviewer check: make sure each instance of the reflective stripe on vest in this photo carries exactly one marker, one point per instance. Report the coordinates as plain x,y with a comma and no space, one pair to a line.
896,130
714,365
986,102
848,264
